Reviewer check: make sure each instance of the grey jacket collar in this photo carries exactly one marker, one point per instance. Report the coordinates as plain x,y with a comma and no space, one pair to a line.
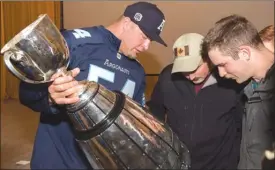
210,81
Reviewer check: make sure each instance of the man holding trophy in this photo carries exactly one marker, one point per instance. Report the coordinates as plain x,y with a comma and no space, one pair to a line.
105,55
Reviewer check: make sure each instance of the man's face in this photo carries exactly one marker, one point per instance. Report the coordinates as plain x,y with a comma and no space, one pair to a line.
134,40
237,69
199,75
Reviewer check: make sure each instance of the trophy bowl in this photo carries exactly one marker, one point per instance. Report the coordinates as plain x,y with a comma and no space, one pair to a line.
37,52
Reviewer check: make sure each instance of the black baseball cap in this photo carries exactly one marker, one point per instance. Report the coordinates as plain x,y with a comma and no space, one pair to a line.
149,18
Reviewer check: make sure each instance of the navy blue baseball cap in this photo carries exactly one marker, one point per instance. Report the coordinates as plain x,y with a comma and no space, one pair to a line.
149,18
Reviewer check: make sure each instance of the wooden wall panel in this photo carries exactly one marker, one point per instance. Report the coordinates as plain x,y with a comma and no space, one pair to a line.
150,85
3,69
181,17
16,16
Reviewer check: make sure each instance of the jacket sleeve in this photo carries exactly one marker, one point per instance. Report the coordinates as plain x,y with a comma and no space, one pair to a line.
156,104
36,97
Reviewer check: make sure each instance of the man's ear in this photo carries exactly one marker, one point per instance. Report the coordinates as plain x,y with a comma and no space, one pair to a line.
244,53
126,23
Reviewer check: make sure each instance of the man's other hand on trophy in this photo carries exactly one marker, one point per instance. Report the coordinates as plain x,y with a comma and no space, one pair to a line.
64,88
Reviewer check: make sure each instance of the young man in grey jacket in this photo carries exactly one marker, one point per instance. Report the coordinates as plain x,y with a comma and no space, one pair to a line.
235,47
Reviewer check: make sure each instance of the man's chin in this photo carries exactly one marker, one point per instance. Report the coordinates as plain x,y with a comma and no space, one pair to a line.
232,78
240,81
132,56
198,82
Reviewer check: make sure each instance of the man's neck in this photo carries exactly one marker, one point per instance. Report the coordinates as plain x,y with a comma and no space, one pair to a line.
265,60
114,28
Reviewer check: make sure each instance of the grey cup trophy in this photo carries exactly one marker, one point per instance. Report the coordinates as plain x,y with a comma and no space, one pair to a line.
113,131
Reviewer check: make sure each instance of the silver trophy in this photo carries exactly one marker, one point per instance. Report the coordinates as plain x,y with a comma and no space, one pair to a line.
113,131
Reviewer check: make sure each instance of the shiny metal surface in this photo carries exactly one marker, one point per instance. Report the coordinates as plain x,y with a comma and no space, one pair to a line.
130,139
113,131
37,52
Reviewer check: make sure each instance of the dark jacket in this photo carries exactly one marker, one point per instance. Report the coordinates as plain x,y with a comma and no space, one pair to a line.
258,122
208,122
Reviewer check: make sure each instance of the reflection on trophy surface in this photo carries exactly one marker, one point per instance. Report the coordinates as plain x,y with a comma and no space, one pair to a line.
113,131
37,52
117,133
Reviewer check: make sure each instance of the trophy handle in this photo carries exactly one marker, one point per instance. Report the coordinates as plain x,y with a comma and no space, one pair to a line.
19,75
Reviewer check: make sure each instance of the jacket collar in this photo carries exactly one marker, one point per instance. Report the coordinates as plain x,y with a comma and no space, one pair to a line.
210,81
180,82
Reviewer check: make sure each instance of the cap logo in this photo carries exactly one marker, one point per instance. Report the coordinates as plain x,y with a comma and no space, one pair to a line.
160,27
138,16
181,52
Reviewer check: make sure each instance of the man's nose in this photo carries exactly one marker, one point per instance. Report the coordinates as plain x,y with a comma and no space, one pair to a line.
146,44
191,77
222,72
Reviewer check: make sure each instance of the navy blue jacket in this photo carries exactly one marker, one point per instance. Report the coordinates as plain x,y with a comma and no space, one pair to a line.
95,51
